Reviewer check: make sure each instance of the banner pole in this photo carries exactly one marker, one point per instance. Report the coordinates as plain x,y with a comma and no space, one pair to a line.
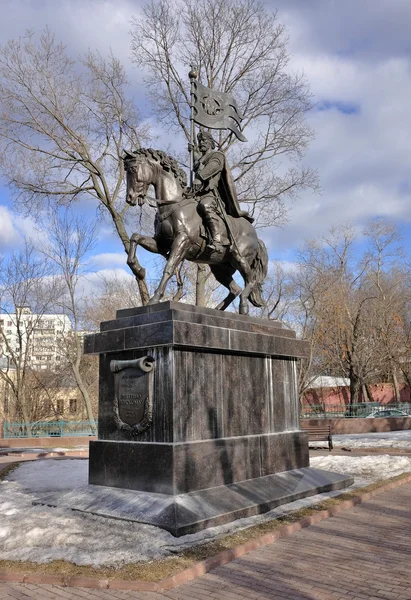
193,76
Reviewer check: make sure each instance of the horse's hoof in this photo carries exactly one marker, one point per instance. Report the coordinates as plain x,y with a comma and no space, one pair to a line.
243,310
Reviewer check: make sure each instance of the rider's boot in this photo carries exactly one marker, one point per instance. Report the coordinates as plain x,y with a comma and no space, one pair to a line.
212,223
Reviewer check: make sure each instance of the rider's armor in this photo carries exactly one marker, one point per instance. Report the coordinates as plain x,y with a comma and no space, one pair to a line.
213,182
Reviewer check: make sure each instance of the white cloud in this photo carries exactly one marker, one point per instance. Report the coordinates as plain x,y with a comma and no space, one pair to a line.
14,228
363,158
92,283
109,259
8,233
81,24
370,29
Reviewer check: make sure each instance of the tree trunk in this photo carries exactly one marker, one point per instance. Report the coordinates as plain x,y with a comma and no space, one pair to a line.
75,366
84,393
24,413
369,393
200,284
397,393
355,388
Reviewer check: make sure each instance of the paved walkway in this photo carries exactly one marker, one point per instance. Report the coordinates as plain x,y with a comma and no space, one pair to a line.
361,554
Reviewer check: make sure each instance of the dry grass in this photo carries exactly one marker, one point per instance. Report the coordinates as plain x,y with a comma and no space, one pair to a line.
8,469
161,569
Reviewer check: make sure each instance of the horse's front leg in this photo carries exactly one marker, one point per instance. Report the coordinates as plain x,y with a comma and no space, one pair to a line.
146,242
177,253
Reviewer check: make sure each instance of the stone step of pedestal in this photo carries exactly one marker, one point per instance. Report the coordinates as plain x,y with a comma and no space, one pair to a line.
188,513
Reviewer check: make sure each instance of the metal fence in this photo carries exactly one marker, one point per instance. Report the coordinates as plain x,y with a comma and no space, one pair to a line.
365,409
50,429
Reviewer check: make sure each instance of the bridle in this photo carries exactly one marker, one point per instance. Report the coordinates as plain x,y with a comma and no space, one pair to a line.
153,202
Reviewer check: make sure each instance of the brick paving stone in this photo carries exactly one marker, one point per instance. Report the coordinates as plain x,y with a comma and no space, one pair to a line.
360,554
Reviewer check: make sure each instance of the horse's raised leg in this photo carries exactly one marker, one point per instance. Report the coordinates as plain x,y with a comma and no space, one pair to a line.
224,275
146,242
177,253
132,261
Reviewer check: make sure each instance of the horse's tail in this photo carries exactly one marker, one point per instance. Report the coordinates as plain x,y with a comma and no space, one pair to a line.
259,267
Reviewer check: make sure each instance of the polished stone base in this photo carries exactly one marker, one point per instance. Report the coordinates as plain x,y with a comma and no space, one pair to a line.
181,468
188,513
210,433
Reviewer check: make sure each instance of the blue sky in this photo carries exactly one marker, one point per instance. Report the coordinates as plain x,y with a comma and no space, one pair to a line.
356,56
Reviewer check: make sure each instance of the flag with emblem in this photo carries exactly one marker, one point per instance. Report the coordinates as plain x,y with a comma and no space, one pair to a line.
216,110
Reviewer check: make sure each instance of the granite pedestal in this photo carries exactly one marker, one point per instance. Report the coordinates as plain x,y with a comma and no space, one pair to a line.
197,406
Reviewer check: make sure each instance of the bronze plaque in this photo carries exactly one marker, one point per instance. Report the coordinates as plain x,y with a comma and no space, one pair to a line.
133,393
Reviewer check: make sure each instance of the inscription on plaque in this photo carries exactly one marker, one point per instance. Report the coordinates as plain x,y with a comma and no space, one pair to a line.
133,393
132,396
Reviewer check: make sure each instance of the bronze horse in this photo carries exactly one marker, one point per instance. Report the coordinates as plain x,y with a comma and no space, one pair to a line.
179,231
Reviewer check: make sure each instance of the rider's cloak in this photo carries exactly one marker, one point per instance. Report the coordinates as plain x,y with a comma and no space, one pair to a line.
214,172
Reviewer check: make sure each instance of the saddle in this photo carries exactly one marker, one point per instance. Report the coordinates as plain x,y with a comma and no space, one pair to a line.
225,240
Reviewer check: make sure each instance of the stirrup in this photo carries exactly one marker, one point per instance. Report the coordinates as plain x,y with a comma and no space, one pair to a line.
215,247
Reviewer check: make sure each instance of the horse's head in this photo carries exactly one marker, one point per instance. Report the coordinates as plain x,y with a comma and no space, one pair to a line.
139,177
146,166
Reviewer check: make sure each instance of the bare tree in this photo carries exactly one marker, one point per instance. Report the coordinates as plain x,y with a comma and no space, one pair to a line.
240,48
109,293
389,276
112,291
63,127
345,331
28,290
69,241
291,296
278,294
360,305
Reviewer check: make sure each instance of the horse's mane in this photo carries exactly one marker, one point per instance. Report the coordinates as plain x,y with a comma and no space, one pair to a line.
166,161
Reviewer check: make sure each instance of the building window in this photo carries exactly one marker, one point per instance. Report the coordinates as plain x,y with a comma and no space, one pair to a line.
6,406
60,407
73,405
9,323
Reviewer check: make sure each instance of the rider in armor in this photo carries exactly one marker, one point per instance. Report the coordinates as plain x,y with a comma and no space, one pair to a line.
214,187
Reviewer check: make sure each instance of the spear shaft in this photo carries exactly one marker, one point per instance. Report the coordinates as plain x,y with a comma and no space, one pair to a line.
193,76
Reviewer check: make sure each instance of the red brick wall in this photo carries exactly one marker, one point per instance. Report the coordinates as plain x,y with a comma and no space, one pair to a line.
46,442
362,425
382,392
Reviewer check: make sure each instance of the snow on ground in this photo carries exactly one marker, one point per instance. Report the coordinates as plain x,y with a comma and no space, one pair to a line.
389,439
368,468
42,534
34,450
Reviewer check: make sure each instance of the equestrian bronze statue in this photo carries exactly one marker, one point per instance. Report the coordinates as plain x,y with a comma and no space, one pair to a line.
180,233
203,223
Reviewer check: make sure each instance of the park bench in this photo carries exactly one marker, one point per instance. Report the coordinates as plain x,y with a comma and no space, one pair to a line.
319,433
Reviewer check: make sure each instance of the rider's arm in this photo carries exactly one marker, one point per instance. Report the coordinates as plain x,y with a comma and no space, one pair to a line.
213,167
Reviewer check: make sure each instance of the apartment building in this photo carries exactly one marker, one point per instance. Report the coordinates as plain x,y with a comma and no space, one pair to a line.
41,336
